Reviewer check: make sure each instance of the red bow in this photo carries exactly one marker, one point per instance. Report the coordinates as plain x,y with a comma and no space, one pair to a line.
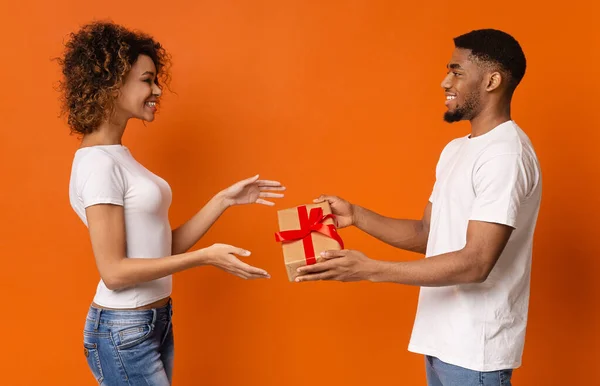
309,224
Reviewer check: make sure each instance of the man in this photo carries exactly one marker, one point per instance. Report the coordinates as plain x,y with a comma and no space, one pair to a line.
476,230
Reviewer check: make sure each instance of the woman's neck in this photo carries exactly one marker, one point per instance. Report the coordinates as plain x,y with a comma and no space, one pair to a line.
110,132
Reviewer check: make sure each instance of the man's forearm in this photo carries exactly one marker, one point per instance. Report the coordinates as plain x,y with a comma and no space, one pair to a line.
436,271
410,235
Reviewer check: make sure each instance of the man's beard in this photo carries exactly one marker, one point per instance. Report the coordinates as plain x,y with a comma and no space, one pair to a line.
466,111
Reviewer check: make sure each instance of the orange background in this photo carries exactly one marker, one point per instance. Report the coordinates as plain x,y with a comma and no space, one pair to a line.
329,97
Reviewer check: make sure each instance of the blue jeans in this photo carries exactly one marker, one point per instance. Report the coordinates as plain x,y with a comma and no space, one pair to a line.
130,347
443,374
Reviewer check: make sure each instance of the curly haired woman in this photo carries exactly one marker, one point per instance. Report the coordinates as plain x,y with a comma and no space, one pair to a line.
112,75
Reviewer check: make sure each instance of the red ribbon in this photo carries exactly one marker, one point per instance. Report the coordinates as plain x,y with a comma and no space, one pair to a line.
309,224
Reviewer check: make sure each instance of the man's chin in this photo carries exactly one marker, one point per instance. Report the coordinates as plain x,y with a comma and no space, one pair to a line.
453,116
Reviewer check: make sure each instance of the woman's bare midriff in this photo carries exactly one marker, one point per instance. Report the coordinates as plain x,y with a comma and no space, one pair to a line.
157,304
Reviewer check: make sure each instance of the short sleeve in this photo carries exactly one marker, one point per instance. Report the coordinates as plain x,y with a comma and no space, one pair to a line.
100,181
440,163
500,186
433,192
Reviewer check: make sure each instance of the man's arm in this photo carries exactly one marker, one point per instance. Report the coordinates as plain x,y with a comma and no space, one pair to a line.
471,264
410,235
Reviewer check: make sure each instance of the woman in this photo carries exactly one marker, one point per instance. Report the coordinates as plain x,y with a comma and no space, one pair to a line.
112,75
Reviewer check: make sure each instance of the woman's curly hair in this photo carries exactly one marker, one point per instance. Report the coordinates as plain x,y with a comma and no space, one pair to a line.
96,60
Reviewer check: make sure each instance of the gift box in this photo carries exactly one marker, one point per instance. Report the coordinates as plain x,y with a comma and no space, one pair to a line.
305,231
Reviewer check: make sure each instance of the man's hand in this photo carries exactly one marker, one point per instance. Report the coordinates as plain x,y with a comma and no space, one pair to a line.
344,265
342,209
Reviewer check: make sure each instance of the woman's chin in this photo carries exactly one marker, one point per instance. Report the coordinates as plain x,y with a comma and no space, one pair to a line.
147,117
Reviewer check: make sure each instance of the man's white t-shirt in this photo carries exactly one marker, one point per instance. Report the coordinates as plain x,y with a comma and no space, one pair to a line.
109,174
493,178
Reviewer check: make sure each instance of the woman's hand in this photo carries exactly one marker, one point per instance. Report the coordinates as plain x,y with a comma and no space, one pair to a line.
223,256
251,191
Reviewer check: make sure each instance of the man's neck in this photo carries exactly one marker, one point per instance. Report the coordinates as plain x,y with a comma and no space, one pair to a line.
487,120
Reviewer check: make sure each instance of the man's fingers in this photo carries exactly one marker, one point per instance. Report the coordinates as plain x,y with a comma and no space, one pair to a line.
333,254
315,268
326,197
327,275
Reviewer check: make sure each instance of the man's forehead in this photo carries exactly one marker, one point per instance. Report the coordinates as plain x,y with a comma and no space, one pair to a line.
460,59
461,54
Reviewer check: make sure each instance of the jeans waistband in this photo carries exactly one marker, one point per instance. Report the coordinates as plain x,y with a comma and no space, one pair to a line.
100,315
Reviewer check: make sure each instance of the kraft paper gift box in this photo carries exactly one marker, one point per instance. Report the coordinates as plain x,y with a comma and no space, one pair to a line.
305,231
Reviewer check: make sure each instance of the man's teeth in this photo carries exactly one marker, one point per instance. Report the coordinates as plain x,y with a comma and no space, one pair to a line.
151,104
450,97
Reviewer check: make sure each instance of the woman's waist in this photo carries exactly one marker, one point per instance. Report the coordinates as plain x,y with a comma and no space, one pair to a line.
142,296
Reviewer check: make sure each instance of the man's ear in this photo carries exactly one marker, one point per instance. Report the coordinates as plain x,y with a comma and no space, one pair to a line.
494,80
